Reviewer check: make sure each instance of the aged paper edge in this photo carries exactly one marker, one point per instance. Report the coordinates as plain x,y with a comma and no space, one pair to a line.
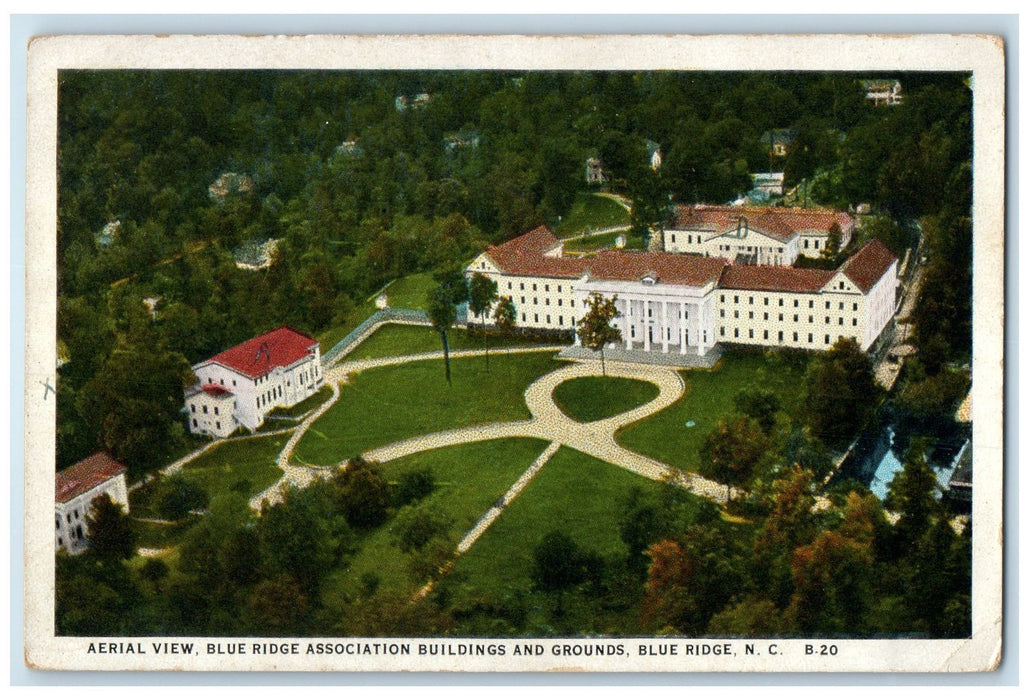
983,56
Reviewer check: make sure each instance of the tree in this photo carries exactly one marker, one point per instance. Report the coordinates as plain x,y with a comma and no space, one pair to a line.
109,530
912,496
558,564
414,526
734,451
832,242
482,292
832,580
595,329
504,314
451,289
841,393
413,486
363,494
759,404
177,497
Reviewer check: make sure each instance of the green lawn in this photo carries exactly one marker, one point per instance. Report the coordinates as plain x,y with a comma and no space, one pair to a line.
393,339
587,399
329,337
244,466
607,240
579,496
387,404
590,212
709,397
469,479
410,292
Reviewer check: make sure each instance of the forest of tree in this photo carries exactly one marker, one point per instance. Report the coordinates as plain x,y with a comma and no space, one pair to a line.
142,149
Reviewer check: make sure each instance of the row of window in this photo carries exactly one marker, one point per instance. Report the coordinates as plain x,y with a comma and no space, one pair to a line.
796,317
560,319
796,336
796,302
222,381
546,287
217,424
267,396
546,301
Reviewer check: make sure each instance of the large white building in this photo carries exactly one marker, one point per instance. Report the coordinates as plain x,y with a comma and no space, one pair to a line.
242,385
759,235
676,303
76,489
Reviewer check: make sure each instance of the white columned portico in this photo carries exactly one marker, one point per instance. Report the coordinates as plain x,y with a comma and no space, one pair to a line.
702,318
664,327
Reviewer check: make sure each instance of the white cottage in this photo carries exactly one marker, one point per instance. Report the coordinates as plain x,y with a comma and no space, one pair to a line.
76,489
242,385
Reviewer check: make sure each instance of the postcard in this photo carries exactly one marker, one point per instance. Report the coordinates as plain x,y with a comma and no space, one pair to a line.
515,353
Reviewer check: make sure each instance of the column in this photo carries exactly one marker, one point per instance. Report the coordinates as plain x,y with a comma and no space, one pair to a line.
664,327
646,325
682,327
702,318
627,326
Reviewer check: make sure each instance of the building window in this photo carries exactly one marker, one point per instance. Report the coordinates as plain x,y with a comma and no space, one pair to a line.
766,301
751,301
722,313
855,307
827,320
205,408
735,332
192,408
534,286
560,302
560,320
218,425
523,317
855,321
722,298
841,320
215,410
780,317
536,301
673,238
796,318
780,336
751,315
750,333
548,318
546,288
796,303
233,382
536,317
558,289
827,339
811,337
509,285
766,335
194,422
766,315
794,336
735,299
722,330
735,314
521,286
523,300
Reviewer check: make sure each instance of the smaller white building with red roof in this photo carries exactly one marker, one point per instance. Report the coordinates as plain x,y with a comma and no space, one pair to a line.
242,385
75,490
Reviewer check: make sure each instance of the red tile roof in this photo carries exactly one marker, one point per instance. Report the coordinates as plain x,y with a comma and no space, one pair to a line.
667,268
768,278
868,265
780,223
83,476
257,356
524,255
215,390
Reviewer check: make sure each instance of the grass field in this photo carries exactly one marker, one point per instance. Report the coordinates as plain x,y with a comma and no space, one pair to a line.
606,240
587,399
579,496
469,479
244,466
410,292
709,397
590,212
393,339
386,404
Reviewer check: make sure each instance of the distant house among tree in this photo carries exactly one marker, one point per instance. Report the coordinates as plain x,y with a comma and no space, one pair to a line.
151,304
229,183
242,385
461,140
883,92
350,147
778,141
76,489
766,186
108,234
417,101
254,256
595,172
654,154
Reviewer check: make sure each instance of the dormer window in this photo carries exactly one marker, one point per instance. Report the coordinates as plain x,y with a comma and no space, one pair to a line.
649,279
